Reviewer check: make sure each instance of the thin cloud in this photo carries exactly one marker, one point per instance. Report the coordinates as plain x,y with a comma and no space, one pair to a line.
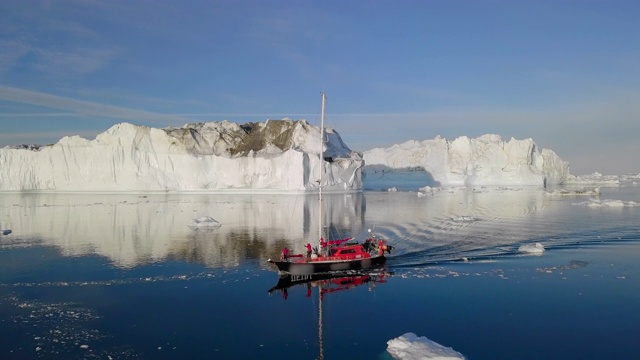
84,107
73,61
43,137
11,52
32,115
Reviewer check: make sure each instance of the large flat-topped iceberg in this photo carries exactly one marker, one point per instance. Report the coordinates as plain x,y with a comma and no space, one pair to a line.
271,155
486,160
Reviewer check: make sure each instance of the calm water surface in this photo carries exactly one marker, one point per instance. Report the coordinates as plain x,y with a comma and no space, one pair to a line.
124,276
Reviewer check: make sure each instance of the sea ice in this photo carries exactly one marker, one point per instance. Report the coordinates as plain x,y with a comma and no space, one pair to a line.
536,248
411,347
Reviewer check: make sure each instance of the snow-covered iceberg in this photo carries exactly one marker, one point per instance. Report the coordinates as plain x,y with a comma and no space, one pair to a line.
485,160
271,155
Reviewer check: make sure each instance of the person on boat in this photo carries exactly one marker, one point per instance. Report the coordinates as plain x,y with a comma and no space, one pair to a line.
323,247
285,254
308,250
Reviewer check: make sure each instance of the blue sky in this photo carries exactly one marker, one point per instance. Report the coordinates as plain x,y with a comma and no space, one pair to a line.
564,73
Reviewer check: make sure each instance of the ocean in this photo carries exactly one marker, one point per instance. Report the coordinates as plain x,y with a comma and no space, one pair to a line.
128,276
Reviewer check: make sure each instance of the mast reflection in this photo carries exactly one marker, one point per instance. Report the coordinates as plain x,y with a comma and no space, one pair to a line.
331,282
328,283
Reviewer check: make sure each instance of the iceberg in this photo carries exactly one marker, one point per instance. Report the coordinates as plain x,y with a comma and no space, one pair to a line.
485,160
281,155
411,347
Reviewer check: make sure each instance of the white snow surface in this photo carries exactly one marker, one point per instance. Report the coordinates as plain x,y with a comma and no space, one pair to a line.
485,160
411,347
271,155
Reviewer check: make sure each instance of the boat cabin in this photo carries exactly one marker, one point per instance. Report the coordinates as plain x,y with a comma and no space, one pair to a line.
349,252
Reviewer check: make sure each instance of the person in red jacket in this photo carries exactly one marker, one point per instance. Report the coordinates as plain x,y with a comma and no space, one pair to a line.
308,250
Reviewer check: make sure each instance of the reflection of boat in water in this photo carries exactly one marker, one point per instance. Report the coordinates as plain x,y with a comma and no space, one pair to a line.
333,281
328,283
334,255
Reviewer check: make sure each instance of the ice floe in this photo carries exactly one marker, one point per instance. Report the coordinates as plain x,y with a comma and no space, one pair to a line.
536,248
464,219
411,347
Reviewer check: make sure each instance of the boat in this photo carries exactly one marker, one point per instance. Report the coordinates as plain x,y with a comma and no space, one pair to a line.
332,255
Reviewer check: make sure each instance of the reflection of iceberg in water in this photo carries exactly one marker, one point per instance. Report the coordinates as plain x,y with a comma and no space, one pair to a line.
132,229
459,223
451,224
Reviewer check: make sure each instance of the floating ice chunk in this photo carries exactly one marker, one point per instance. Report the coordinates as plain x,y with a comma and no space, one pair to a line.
575,192
392,189
607,203
536,248
432,189
5,232
427,189
205,221
463,219
411,347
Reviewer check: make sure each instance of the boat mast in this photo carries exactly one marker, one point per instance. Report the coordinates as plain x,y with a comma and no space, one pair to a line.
320,345
324,99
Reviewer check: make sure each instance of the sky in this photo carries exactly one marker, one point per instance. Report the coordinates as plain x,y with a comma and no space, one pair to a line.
564,73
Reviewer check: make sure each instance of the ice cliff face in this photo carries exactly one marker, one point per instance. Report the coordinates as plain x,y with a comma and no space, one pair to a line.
271,155
486,160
